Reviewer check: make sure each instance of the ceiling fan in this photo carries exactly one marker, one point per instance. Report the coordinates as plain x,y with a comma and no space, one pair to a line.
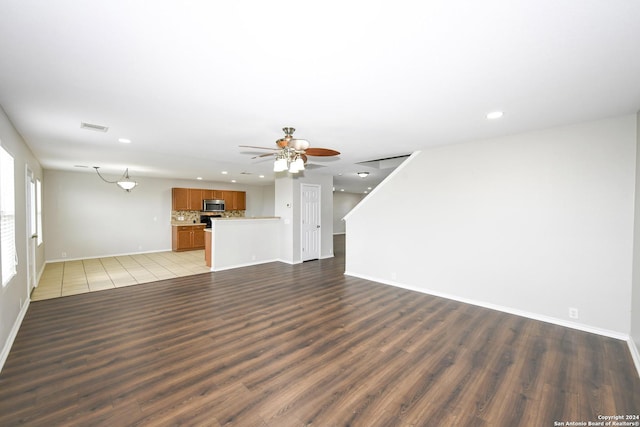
292,153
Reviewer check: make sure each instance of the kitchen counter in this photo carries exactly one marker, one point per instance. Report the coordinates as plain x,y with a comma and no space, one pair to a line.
244,218
242,241
177,223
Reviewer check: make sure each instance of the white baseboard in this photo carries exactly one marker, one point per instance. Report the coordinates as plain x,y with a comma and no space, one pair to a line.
504,309
635,354
247,264
287,261
14,332
108,255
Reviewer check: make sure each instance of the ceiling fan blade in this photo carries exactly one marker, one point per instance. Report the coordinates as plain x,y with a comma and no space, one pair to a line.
264,155
321,152
260,148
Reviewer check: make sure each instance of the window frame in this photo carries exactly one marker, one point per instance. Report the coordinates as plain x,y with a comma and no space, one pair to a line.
7,193
40,238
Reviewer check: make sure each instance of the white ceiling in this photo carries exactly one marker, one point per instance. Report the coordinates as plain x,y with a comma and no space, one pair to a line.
189,81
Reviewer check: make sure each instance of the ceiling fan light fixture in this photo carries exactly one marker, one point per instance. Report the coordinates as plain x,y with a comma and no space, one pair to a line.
296,166
280,165
291,154
363,174
299,144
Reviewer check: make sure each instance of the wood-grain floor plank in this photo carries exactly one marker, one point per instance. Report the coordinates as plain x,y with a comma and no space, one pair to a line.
278,345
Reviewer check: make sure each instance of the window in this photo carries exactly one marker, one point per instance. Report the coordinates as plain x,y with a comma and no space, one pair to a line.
39,211
32,206
7,218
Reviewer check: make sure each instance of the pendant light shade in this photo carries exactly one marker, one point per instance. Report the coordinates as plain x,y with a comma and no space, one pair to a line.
126,183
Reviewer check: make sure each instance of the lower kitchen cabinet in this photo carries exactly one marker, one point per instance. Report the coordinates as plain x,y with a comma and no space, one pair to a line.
187,237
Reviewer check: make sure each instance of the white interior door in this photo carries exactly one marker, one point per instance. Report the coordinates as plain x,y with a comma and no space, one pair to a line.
31,232
310,226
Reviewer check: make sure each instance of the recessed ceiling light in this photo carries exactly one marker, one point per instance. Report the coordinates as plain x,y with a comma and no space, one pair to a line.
124,140
368,188
342,189
261,176
233,180
363,174
495,115
224,172
199,178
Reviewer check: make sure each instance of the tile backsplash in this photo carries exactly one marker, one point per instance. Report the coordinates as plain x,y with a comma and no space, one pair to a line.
190,217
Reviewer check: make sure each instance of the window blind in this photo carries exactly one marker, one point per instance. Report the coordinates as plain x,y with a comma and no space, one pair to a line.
7,217
39,209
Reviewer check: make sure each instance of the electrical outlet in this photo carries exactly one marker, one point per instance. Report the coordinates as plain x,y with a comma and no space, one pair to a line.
573,313
64,254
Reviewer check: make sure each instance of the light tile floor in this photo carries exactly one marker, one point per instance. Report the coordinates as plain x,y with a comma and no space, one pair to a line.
76,277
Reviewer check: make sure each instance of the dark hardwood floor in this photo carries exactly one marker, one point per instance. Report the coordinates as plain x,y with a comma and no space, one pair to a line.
303,345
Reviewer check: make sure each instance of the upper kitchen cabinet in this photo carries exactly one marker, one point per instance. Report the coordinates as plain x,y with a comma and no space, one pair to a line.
196,196
180,199
234,200
241,200
212,195
186,199
190,199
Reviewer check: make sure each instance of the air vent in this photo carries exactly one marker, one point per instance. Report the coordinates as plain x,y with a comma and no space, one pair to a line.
385,163
97,128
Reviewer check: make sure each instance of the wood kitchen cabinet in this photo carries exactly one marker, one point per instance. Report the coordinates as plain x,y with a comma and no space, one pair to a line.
196,196
190,199
187,199
229,200
241,200
187,237
212,195
234,200
180,199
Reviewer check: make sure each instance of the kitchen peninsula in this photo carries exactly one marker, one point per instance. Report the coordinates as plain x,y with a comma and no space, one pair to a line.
242,241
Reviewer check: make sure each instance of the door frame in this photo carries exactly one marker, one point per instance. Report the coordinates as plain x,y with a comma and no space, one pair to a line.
318,189
32,228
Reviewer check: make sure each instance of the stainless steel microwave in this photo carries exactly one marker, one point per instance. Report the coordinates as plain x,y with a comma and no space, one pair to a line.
213,205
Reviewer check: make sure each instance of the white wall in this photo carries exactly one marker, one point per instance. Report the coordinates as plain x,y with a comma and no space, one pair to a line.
240,243
342,205
14,297
267,201
635,297
86,217
533,224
